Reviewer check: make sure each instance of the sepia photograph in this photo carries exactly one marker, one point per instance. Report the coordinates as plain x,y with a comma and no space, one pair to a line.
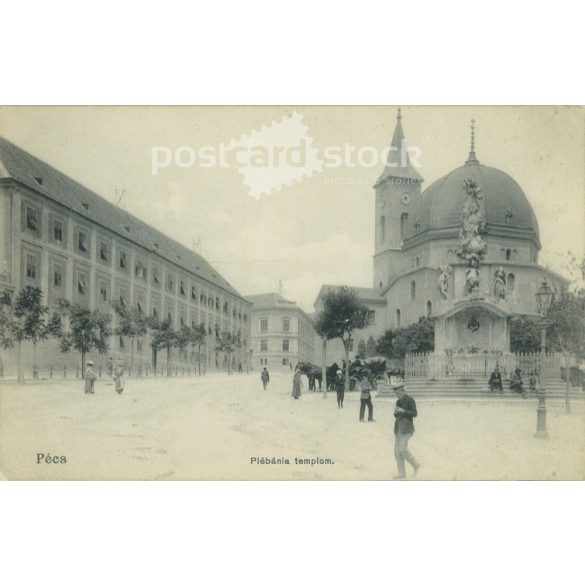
292,293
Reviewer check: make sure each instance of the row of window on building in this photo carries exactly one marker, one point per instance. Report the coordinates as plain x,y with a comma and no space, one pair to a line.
285,361
264,345
285,322
32,273
31,224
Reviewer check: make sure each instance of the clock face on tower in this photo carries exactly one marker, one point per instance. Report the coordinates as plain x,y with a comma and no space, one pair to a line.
405,198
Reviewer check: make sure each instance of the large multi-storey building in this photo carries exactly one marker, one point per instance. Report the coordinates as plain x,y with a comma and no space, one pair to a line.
71,243
282,333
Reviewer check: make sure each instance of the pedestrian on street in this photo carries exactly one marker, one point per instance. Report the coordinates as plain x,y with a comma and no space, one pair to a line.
404,412
118,376
339,384
265,377
366,399
297,384
90,378
110,367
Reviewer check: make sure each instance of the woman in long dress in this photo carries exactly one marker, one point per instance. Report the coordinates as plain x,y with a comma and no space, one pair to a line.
297,385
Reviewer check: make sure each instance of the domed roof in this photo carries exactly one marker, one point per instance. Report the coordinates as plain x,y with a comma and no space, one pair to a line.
440,205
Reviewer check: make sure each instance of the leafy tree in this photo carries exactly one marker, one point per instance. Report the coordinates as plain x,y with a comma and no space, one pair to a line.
163,337
227,343
239,343
132,324
419,337
524,334
384,345
183,338
566,330
88,330
422,335
198,338
25,319
341,315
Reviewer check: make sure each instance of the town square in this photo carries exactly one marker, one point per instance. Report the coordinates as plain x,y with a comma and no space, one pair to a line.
253,351
212,428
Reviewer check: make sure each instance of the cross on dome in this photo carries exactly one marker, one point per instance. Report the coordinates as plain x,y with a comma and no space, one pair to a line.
471,159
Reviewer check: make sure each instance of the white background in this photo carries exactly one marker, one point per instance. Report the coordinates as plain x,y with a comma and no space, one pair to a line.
302,52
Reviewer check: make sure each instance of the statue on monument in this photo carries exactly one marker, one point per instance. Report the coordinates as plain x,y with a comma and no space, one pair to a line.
472,275
500,283
443,280
473,246
472,223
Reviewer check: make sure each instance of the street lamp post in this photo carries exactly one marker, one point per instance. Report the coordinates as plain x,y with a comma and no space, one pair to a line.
544,298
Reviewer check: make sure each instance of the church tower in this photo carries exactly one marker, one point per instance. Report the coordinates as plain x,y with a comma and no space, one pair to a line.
396,190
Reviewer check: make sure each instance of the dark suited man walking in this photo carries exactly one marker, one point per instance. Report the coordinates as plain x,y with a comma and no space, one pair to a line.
404,413
366,399
265,377
339,383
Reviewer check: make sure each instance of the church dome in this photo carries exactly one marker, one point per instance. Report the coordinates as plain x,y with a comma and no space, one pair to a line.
505,204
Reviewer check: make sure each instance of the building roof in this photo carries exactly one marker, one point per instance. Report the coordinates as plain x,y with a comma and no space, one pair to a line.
395,166
21,166
505,203
273,301
269,300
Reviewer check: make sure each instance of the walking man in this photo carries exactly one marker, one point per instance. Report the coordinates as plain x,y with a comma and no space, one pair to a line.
339,383
404,412
265,377
366,399
118,376
90,378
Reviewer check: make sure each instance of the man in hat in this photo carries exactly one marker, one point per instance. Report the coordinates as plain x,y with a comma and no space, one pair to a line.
404,412
339,384
366,399
265,377
90,378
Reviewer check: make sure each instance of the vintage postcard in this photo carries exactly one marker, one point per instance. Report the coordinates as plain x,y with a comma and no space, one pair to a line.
292,293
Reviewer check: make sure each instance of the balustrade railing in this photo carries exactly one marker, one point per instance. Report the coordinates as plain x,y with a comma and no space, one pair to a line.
480,365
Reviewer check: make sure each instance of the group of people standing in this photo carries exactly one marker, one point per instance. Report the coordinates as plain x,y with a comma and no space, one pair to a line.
116,371
404,413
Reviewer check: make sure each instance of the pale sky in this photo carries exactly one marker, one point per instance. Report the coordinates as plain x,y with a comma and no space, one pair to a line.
321,229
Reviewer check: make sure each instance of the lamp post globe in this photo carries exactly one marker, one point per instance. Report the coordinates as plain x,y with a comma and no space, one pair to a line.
544,298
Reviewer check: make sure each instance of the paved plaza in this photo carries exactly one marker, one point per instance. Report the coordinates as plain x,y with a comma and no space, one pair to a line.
220,427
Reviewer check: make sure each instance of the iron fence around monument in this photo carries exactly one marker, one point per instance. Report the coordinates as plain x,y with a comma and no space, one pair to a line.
469,366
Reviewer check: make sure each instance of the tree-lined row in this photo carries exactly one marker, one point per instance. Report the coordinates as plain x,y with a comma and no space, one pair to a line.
25,319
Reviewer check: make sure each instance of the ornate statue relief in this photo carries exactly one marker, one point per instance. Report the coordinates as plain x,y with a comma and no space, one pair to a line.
473,247
472,274
443,280
500,283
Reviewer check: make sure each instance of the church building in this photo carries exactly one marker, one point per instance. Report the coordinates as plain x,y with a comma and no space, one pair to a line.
463,251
